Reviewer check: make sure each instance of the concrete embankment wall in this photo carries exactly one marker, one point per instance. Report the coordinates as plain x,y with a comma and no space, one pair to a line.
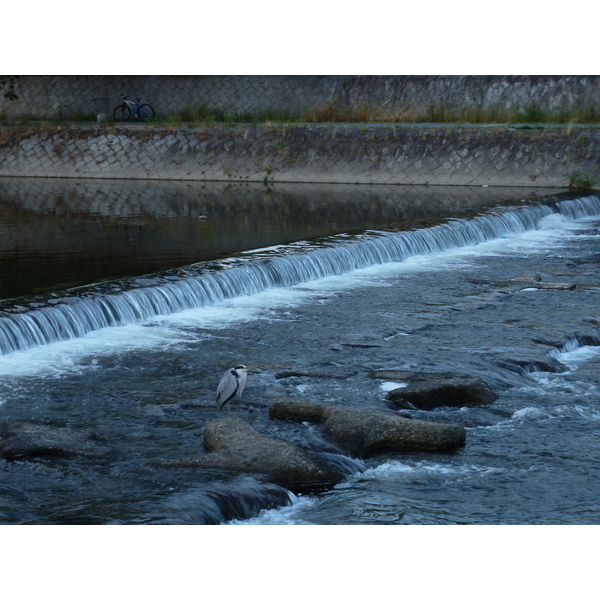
326,154
396,95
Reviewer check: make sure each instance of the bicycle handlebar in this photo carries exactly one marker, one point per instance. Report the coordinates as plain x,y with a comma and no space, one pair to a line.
124,98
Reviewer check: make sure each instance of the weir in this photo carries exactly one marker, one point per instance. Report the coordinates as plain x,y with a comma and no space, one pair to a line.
77,316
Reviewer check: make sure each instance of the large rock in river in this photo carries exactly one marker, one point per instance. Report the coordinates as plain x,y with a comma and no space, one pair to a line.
430,390
237,446
23,440
363,432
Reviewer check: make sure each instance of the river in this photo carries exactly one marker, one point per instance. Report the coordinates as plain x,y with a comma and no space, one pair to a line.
328,283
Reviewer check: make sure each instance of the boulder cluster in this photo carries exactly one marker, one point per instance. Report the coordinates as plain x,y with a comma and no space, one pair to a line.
234,445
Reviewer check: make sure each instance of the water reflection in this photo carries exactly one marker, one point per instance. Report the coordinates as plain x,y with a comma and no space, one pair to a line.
61,233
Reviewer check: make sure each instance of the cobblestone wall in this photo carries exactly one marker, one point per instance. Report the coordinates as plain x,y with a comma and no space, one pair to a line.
325,154
68,96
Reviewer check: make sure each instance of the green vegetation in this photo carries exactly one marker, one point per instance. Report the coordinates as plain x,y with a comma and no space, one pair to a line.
532,113
59,119
335,112
204,115
581,182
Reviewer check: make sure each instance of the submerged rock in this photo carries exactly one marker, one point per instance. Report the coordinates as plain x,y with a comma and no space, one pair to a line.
22,440
546,364
529,280
364,432
236,446
314,374
286,409
217,502
426,391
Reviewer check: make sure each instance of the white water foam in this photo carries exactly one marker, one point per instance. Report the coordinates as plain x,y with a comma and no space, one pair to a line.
388,386
180,328
285,515
575,357
533,413
556,221
394,469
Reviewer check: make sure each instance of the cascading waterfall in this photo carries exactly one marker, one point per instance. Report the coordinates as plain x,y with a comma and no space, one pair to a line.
77,316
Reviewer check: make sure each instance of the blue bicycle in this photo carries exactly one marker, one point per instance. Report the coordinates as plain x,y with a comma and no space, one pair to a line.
143,112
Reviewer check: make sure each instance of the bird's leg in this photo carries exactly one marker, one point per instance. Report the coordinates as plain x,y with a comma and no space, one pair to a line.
228,409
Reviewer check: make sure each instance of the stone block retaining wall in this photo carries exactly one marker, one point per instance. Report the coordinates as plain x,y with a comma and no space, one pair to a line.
324,154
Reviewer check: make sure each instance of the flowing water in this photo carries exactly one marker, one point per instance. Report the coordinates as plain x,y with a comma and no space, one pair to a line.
314,288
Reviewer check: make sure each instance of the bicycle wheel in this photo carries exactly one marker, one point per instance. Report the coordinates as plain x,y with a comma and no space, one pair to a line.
122,113
146,112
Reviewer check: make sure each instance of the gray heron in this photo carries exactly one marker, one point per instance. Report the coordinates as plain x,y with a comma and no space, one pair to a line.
232,384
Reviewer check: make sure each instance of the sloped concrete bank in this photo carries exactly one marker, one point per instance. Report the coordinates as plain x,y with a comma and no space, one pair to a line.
388,154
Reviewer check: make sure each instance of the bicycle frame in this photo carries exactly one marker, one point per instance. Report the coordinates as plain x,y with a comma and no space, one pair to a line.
134,106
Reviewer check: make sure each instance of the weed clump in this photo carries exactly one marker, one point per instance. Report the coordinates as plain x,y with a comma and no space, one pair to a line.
581,182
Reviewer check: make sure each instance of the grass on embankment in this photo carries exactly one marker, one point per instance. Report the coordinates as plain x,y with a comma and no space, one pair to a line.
335,112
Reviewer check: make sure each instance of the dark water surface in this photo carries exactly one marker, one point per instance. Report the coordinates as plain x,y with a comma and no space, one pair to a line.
145,390
56,234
